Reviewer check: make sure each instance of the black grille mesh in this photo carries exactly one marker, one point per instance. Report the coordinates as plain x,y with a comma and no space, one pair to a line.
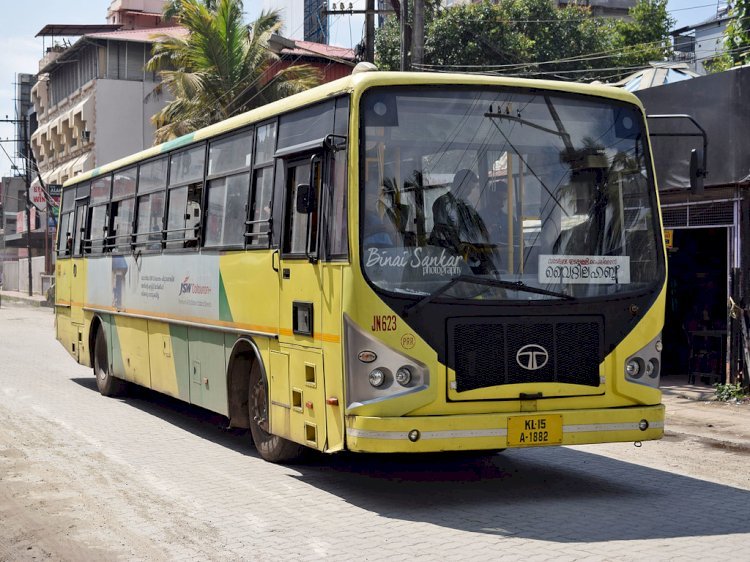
485,353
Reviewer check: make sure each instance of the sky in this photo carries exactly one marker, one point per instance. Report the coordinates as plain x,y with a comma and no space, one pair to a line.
20,51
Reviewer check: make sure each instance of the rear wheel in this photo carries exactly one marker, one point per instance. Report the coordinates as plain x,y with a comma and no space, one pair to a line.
106,382
271,447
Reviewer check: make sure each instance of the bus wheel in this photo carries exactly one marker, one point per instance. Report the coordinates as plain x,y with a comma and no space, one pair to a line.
271,447
106,382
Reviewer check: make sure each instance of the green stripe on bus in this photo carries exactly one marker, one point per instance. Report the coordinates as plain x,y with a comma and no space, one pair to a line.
225,312
178,142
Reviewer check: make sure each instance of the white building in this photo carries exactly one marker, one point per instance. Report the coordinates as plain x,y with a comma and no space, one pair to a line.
93,98
699,44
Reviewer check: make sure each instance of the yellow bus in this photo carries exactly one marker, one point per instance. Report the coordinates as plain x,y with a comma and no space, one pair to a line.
391,262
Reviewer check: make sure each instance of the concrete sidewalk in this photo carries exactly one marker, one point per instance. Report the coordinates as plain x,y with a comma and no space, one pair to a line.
16,297
693,410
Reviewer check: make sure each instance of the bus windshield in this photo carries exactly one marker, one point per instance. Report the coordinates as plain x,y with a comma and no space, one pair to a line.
532,188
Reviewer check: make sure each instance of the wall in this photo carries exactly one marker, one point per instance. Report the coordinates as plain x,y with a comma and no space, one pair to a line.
16,275
719,103
122,119
709,42
10,276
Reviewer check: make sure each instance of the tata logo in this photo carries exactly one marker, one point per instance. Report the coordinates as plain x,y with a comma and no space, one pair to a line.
532,357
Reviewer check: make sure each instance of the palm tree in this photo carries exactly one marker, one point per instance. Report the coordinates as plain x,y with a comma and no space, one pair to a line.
222,68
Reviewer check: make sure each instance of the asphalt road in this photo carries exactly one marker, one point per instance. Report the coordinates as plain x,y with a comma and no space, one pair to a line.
83,477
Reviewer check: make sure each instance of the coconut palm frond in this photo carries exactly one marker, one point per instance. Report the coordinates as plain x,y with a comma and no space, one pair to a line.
222,68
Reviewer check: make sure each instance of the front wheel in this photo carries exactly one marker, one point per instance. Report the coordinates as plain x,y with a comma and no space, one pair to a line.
272,448
106,382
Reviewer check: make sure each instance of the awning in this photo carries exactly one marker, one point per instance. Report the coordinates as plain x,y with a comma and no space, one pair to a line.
85,109
45,178
82,164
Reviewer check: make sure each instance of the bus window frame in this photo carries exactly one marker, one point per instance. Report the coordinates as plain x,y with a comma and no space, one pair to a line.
226,175
341,117
64,249
112,245
256,170
95,203
311,158
79,231
186,244
149,246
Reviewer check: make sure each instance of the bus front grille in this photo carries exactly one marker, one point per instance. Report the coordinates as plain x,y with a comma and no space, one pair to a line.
515,351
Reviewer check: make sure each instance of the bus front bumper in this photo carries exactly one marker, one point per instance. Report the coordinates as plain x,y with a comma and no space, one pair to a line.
472,432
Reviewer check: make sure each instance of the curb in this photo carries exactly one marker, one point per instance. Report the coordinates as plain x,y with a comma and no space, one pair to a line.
23,301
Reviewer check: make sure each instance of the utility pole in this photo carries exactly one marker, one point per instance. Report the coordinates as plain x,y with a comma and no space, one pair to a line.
27,182
370,31
370,12
405,36
27,179
417,51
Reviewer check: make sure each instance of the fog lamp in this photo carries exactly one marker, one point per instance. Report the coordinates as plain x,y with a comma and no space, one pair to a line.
403,376
643,425
652,368
376,377
633,368
414,435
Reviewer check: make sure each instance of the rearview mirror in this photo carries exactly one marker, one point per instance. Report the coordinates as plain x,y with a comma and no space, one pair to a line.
697,173
305,203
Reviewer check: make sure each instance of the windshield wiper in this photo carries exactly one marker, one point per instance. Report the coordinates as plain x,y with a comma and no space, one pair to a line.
512,285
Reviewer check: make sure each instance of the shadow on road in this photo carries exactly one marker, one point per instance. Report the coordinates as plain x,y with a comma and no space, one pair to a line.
554,494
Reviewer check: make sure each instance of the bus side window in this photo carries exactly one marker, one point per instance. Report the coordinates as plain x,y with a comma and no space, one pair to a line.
122,210
227,188
80,228
152,180
64,240
96,229
185,194
261,205
97,222
65,226
337,243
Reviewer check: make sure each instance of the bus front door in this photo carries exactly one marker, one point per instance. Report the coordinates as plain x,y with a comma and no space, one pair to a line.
297,370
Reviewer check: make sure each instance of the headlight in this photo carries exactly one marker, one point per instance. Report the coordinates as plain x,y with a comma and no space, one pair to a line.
376,372
633,368
644,366
403,376
377,377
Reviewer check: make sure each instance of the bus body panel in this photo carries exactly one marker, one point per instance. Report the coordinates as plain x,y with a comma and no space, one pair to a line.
168,359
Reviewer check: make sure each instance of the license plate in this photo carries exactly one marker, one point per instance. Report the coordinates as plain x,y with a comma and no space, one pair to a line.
535,431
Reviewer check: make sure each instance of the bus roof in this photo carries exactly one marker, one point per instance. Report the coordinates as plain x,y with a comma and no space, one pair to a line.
356,83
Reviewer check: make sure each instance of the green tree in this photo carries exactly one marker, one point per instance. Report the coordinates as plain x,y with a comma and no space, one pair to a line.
222,68
535,39
738,33
644,38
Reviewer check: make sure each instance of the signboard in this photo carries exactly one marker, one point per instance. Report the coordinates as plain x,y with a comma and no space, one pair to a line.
588,270
668,238
37,197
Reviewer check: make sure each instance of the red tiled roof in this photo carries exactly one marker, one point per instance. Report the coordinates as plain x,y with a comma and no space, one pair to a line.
141,35
308,48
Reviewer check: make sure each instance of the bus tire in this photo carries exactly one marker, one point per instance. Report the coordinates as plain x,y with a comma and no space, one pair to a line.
106,382
271,448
